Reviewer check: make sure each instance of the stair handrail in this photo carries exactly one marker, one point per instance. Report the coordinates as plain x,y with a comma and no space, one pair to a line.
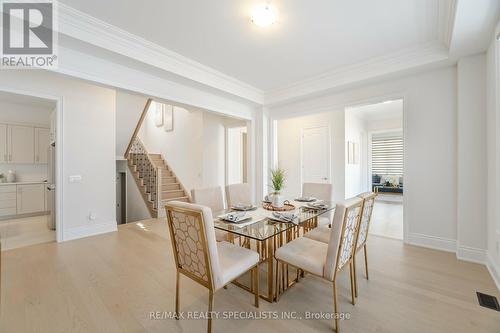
138,127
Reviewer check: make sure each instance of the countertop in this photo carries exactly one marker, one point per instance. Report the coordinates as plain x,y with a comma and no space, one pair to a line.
24,183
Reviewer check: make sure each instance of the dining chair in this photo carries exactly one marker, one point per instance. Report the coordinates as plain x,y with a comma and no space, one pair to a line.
323,192
212,198
362,237
238,194
201,258
322,233
325,260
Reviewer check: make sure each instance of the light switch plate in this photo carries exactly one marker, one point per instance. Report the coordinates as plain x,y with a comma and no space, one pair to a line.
75,179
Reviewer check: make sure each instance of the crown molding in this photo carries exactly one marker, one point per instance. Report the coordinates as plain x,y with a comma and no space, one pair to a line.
389,64
89,29
447,13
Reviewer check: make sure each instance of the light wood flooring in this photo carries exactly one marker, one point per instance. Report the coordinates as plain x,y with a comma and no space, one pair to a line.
111,283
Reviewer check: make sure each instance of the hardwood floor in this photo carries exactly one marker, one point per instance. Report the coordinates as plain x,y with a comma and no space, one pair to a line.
111,283
16,233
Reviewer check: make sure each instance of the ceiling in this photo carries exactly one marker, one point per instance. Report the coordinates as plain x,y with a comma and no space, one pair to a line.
379,111
310,38
36,102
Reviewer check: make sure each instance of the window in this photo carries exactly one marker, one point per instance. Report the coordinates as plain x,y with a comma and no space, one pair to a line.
387,154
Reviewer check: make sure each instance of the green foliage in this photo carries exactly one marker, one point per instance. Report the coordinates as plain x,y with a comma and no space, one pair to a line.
278,179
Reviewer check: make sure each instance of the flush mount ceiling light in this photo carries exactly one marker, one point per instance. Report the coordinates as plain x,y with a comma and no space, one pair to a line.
264,15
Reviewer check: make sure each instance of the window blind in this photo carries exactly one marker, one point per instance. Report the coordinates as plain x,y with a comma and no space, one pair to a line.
387,154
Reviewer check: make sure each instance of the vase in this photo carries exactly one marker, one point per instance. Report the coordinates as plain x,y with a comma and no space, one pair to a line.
277,199
11,177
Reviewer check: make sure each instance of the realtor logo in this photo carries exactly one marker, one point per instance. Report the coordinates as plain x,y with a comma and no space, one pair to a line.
28,34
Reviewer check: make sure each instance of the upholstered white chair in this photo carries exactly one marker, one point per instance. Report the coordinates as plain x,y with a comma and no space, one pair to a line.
238,194
199,257
322,234
212,198
322,192
325,260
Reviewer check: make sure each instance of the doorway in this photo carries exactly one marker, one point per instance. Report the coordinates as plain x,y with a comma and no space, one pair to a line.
28,169
375,162
121,197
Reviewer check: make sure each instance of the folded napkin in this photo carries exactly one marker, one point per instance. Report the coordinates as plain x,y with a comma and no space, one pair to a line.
234,217
318,205
305,199
286,217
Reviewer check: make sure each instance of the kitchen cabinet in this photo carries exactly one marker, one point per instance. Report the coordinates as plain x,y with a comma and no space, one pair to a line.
21,143
3,144
24,144
42,142
30,198
8,200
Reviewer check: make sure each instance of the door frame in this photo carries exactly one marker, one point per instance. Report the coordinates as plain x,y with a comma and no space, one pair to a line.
58,100
329,149
407,190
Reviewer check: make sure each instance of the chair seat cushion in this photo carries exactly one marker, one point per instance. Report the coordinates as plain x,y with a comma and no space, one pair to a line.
305,253
321,234
234,260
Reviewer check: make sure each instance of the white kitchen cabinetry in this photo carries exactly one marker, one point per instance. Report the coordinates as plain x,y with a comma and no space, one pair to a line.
30,198
21,141
4,157
42,142
8,200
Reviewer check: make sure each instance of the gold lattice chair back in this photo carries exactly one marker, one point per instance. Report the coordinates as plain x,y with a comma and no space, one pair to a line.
366,216
343,236
193,241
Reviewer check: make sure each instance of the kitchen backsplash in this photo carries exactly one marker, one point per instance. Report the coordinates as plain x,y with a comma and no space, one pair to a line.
24,172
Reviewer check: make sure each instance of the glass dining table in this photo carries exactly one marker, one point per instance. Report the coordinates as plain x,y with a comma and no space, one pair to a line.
268,233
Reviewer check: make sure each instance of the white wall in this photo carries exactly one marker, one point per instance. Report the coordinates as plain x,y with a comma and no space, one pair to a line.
195,149
493,165
430,138
181,148
25,114
214,161
289,158
129,108
88,144
471,153
355,174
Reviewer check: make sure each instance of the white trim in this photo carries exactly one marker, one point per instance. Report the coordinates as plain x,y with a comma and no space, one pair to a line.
90,230
471,254
493,269
89,29
396,62
432,242
59,153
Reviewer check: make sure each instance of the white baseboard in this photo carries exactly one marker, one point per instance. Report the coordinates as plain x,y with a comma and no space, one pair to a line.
89,230
472,254
432,242
494,270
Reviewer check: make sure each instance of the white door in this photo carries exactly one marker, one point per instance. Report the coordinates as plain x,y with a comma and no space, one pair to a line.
30,198
315,155
21,144
42,141
3,144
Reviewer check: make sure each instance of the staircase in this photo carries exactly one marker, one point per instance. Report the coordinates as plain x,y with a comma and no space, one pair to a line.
156,181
